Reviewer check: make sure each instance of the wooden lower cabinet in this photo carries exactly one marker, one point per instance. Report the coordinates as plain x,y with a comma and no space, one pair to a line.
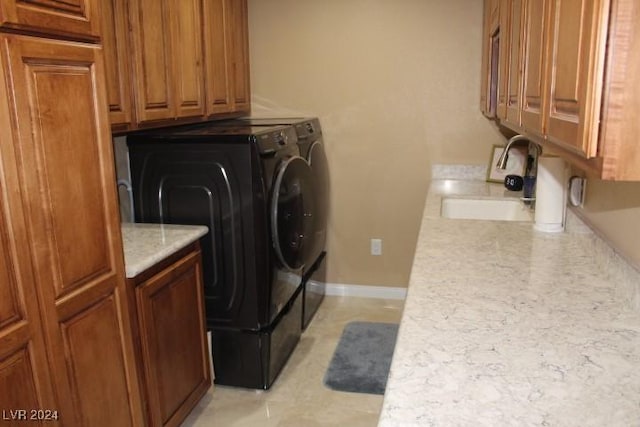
173,350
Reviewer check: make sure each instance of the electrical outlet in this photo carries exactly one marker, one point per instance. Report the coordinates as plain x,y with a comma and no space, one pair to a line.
376,246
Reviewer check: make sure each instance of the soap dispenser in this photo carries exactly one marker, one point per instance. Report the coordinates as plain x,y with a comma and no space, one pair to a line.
551,194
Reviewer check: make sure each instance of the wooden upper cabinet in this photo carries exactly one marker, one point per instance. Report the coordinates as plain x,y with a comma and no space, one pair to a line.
239,42
117,65
67,187
227,56
168,59
503,59
217,51
79,19
575,72
485,73
618,147
534,43
187,57
493,9
190,60
152,64
514,61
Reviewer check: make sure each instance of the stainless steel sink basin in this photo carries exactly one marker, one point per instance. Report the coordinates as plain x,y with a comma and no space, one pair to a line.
486,209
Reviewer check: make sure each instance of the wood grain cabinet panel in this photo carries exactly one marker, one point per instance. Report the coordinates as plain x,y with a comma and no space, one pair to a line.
152,65
534,44
239,41
92,343
217,51
187,57
24,379
514,70
190,60
484,70
575,73
117,64
67,187
580,81
503,59
173,344
71,18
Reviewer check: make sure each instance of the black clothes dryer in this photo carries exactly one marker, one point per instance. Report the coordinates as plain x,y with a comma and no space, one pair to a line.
311,146
250,186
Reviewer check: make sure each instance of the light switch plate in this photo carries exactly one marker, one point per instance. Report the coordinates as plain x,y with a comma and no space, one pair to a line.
376,246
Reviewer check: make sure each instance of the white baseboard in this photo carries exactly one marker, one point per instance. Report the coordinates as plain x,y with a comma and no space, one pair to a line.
363,291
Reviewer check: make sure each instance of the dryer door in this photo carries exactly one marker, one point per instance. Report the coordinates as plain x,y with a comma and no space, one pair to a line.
292,214
317,159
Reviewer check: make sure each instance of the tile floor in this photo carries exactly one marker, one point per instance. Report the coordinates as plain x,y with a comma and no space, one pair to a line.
299,397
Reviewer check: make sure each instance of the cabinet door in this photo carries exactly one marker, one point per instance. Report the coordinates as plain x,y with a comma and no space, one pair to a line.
535,36
514,63
575,73
67,186
115,45
239,37
24,377
218,64
503,59
173,335
76,18
485,70
152,59
494,13
187,57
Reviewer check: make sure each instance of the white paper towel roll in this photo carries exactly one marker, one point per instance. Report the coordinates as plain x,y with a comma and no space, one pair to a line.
550,194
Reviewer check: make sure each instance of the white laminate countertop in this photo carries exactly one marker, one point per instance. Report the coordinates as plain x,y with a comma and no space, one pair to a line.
507,326
148,244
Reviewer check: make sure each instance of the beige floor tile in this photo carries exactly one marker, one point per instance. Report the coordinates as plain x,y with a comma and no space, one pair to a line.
299,397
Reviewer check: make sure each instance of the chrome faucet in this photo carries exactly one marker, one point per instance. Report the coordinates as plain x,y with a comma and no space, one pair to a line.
534,150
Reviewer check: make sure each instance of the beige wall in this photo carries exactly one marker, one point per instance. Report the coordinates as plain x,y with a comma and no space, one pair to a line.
396,86
613,209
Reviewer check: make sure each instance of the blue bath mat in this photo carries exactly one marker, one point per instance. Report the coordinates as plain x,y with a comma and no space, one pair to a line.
362,358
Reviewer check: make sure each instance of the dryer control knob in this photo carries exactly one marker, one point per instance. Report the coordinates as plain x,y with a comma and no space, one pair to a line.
281,138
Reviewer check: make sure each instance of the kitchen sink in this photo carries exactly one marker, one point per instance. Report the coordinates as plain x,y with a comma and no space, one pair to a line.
486,209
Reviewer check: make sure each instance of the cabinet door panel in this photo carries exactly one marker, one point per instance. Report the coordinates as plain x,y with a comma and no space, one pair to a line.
239,35
173,334
152,59
503,59
218,65
514,61
68,184
17,382
24,378
576,74
115,46
94,354
71,185
72,17
187,57
535,28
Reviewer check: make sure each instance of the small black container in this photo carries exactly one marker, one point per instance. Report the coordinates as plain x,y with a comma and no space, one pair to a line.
513,182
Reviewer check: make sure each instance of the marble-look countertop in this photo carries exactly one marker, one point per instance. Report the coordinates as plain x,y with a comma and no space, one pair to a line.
148,244
507,326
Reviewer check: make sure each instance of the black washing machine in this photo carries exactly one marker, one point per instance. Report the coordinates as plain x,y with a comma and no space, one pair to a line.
250,186
311,146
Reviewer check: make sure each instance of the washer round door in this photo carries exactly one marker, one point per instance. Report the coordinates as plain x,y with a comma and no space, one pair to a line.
292,214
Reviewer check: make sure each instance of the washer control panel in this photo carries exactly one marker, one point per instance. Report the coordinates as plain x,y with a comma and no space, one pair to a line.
270,142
